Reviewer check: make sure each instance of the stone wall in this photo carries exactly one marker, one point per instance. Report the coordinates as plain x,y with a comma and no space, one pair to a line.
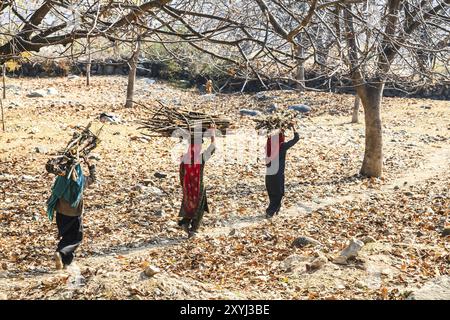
108,67
156,69
440,91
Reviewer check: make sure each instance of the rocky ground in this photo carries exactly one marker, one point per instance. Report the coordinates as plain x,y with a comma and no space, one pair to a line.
398,224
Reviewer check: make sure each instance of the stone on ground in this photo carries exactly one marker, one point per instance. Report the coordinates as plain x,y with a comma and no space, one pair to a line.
435,289
150,271
302,241
37,94
248,112
301,108
350,251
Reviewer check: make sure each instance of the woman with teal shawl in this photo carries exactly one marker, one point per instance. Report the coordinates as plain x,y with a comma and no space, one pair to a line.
67,201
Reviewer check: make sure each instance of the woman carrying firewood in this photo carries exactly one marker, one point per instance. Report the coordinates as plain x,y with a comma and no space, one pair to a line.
67,201
194,202
276,150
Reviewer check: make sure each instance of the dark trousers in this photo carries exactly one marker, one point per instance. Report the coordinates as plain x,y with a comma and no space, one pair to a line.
70,230
193,223
275,189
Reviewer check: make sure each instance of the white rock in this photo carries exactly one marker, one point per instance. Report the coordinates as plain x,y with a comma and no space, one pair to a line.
261,96
28,178
150,271
300,108
263,278
340,286
149,81
148,189
52,91
171,223
41,149
304,241
3,296
350,251
73,77
110,118
155,191
37,94
435,289
248,112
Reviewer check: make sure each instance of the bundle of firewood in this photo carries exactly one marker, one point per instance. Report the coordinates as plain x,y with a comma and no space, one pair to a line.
80,145
165,120
279,120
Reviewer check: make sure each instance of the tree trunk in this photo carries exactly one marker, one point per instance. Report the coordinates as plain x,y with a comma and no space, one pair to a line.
132,75
88,73
300,76
88,66
371,96
355,115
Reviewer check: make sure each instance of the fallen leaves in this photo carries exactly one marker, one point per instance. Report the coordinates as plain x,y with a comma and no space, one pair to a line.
327,201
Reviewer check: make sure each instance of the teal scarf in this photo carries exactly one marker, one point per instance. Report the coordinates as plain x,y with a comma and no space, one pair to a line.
68,189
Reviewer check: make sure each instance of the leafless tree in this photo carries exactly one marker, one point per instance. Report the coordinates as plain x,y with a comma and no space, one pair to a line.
374,42
366,44
38,24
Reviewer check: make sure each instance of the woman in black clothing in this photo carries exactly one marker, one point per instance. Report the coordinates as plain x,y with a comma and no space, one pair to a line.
276,150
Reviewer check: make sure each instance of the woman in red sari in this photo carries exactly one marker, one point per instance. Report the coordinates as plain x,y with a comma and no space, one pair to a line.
194,202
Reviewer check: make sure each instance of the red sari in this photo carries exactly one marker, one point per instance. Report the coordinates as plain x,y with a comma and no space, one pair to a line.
191,180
